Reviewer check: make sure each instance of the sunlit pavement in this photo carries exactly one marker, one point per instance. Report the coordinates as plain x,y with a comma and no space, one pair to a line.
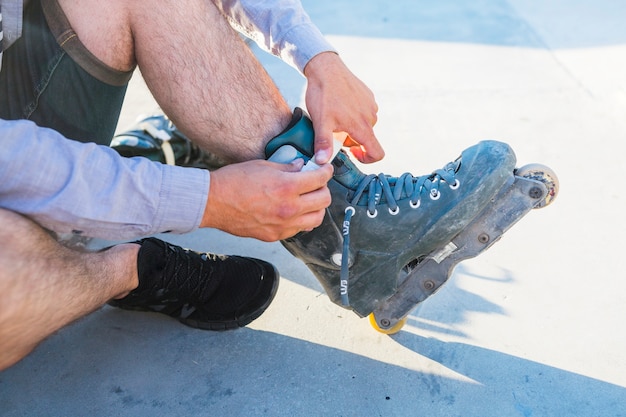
533,327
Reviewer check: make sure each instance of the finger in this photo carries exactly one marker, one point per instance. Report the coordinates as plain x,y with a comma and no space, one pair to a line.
295,165
303,223
315,200
368,149
312,220
323,146
309,181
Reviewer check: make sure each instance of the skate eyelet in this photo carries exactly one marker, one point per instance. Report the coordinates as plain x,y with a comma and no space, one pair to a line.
372,215
435,194
416,204
456,184
394,212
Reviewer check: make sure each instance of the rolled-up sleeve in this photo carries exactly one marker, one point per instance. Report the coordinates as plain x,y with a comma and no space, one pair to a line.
68,186
281,27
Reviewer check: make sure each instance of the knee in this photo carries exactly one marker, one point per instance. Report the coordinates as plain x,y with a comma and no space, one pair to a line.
91,18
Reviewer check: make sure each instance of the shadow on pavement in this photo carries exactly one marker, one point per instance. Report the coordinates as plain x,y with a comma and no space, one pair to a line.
519,386
452,303
121,363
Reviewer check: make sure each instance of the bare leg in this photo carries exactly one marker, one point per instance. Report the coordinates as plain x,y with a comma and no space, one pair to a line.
198,68
46,286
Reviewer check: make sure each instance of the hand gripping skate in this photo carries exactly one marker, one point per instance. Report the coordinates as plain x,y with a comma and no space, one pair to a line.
388,243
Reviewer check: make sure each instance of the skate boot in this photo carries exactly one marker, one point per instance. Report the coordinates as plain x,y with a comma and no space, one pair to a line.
156,138
379,229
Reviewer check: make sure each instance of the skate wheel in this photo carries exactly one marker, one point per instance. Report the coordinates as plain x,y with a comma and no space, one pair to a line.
544,174
392,330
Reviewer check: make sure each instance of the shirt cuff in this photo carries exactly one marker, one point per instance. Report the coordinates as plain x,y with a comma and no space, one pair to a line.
301,43
183,197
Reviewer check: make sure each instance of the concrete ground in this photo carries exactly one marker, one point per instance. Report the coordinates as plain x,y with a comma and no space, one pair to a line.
534,327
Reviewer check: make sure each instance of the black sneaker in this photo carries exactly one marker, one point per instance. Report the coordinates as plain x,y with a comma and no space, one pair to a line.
202,290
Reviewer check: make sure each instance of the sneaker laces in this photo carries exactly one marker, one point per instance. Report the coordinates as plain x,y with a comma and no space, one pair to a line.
377,189
194,279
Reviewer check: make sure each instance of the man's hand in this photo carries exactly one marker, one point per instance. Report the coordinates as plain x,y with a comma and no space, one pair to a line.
267,200
339,102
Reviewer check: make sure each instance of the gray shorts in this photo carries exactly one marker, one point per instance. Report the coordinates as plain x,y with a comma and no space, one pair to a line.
48,76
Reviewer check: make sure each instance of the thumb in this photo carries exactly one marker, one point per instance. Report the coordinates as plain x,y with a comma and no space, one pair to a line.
323,144
294,166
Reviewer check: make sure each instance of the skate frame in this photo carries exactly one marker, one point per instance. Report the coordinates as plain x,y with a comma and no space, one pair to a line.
514,201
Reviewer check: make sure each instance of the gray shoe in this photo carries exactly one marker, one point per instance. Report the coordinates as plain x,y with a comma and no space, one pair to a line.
379,227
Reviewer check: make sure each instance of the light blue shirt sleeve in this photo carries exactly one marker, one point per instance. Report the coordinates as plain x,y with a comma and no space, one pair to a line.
281,27
68,186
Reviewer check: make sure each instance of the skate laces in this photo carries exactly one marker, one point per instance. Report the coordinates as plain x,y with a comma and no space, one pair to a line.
374,190
381,188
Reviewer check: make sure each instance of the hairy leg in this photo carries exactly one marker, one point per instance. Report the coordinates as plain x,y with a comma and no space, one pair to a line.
199,70
46,286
